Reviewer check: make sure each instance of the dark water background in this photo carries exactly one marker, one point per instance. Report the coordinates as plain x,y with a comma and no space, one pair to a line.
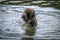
11,23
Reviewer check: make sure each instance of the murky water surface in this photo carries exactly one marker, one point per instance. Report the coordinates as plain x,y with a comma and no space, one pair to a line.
11,23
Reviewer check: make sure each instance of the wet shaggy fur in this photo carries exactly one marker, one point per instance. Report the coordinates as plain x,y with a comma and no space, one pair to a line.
29,17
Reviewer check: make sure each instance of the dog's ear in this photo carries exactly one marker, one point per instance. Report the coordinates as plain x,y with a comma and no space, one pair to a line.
33,11
26,10
24,17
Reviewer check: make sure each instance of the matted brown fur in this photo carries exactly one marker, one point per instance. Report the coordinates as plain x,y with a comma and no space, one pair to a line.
29,17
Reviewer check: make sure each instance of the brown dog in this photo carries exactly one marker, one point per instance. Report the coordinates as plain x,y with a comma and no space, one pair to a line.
29,17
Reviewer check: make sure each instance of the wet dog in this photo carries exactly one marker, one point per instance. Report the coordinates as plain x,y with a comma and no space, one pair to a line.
29,17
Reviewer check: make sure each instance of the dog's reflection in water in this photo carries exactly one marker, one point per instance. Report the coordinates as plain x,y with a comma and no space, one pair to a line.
29,18
29,32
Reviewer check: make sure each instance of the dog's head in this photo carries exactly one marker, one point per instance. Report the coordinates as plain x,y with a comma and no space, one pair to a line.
29,16
30,13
